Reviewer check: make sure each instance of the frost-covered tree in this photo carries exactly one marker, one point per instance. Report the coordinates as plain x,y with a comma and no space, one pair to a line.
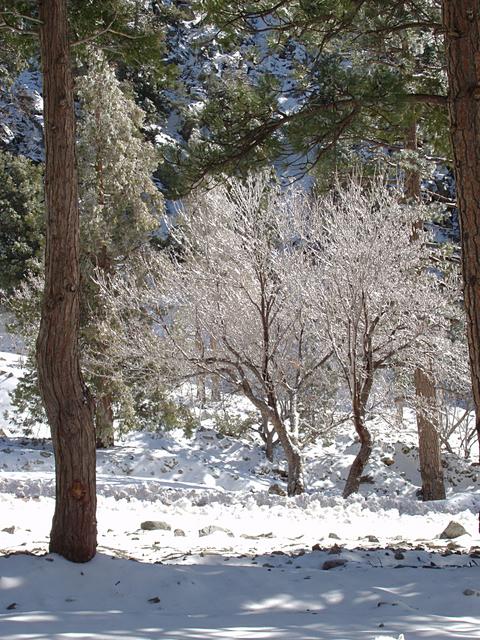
378,300
235,285
119,205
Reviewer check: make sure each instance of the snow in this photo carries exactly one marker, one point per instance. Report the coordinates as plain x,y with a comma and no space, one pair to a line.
261,573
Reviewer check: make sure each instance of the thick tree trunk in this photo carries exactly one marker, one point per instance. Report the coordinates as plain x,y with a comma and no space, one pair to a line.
352,484
461,19
68,405
431,470
104,433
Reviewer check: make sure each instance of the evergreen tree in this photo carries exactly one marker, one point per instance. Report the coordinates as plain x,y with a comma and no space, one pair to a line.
120,207
355,72
22,228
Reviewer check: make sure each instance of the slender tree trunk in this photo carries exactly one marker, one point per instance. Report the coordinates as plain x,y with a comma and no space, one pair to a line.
461,20
268,436
201,390
269,407
352,484
431,470
215,393
104,432
215,388
295,482
68,404
294,417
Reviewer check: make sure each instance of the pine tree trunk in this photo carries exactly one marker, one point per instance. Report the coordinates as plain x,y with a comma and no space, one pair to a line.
352,484
461,20
68,405
104,432
431,470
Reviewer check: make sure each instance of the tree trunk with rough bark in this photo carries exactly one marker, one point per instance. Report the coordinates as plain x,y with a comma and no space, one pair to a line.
461,20
431,470
68,404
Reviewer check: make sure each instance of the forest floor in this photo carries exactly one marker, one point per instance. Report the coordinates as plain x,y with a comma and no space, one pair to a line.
229,560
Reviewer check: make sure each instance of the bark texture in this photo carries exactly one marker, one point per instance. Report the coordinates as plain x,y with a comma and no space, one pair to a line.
68,404
431,470
461,19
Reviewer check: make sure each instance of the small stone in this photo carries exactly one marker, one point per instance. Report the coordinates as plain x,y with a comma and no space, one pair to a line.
470,592
388,461
276,490
11,606
332,564
45,454
334,536
207,531
372,539
335,549
268,565
154,600
399,555
154,525
453,546
180,533
316,547
9,529
453,530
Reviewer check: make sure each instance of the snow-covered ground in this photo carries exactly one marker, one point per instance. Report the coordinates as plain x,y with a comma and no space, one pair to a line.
223,558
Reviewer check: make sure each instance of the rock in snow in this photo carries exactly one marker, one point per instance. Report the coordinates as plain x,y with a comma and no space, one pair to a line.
153,525
207,531
453,530
276,489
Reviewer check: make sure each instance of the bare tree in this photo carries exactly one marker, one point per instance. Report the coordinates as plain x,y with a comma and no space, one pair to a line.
236,286
374,297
